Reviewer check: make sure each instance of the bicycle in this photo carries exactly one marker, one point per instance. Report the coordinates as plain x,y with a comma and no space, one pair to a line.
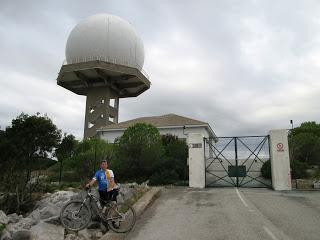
76,214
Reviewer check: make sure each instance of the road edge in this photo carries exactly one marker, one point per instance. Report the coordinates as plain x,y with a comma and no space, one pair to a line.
140,206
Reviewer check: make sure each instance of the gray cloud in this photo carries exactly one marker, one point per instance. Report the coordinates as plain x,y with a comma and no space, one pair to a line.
243,66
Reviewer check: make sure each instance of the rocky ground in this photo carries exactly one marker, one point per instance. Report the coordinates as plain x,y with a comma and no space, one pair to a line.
43,222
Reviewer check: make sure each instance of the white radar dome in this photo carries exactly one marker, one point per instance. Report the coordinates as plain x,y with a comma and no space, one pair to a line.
107,38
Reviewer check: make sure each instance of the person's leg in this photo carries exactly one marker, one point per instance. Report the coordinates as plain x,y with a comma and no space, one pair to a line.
103,197
108,196
114,195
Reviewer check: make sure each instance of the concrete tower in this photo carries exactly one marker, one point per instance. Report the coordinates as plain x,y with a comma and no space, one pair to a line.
104,60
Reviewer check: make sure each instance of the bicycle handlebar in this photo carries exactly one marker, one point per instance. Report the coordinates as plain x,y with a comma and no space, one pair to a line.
115,188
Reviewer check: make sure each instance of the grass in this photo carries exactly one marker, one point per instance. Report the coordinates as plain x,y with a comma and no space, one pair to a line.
316,175
137,194
2,226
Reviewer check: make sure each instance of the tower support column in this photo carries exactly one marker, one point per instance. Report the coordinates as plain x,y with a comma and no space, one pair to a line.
99,111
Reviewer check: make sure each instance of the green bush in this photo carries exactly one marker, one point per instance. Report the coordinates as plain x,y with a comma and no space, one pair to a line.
142,154
166,176
316,174
137,153
298,169
67,176
175,155
266,170
84,162
2,226
304,143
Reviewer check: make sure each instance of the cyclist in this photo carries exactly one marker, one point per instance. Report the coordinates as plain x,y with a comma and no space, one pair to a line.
106,184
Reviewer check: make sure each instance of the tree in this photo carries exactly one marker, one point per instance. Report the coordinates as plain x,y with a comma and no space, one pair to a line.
304,142
176,151
24,146
266,169
173,166
86,159
307,127
137,152
65,151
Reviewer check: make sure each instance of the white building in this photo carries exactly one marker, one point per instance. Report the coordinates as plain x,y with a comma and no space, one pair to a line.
166,124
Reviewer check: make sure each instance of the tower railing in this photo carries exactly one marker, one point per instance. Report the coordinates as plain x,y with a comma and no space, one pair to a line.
108,60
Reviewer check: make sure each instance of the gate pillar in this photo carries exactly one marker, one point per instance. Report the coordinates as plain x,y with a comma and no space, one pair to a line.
280,161
197,167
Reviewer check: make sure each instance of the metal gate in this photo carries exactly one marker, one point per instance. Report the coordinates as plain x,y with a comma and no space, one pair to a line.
236,161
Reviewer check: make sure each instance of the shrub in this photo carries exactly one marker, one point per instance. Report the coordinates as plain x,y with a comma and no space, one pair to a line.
141,154
298,169
176,154
2,227
266,170
166,176
137,153
304,143
86,160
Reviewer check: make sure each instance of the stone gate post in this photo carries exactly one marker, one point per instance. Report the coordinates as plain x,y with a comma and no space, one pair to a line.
280,161
197,176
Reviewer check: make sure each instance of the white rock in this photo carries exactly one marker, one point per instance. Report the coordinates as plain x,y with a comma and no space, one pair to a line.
14,218
23,224
126,192
50,206
46,231
145,184
99,234
3,218
57,199
71,237
74,237
5,235
84,234
22,235
55,220
103,227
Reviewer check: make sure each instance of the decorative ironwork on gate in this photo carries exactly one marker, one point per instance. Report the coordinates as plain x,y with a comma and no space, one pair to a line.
236,161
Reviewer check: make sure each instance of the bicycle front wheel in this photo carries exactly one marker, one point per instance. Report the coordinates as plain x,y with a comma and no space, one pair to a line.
75,215
121,218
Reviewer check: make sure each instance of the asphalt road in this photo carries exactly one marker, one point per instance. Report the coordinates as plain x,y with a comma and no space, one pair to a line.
230,213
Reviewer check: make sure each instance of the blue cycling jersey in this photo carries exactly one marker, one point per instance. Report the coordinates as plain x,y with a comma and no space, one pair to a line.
101,177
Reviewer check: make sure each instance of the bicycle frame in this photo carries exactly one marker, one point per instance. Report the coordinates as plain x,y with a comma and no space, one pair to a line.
99,212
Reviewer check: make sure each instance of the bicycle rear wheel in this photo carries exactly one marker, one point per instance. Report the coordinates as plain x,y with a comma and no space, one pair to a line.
75,215
121,218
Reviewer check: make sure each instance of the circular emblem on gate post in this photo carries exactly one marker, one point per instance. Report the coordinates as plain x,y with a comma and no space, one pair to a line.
280,147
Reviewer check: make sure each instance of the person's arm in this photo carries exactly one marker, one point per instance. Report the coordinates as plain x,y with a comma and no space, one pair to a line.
112,184
92,181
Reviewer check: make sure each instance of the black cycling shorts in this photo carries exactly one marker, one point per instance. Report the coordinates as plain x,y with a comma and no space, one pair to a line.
109,196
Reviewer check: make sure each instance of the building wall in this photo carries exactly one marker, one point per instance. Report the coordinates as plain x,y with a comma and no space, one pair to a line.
110,136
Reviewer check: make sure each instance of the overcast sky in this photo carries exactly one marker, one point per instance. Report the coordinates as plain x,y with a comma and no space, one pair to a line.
245,67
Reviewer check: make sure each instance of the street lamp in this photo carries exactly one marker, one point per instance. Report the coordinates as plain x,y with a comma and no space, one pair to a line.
291,122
